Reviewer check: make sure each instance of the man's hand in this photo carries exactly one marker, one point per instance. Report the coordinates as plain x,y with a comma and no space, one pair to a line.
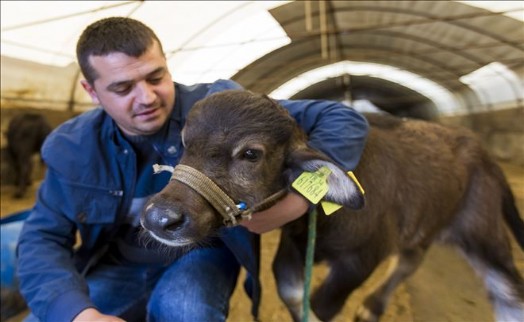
287,209
92,315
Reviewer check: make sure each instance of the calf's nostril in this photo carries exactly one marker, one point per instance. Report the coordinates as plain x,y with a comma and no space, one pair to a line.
159,220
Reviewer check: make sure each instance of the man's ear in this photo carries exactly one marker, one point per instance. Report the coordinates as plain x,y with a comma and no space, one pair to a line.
91,91
343,190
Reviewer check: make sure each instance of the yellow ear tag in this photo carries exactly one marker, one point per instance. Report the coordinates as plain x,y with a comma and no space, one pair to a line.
354,178
313,185
329,207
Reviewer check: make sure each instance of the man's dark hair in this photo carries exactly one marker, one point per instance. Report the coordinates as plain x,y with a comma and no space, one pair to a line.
115,34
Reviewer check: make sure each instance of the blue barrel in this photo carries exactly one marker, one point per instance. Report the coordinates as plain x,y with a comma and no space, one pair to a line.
10,230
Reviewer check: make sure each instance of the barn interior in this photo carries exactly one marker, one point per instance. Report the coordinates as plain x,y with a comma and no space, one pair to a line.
459,63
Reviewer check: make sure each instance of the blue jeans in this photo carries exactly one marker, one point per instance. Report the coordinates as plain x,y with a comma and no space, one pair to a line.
196,287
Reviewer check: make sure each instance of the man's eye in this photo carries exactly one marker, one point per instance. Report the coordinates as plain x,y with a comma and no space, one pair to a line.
122,90
155,80
252,155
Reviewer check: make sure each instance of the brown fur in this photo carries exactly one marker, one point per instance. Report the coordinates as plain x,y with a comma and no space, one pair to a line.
424,183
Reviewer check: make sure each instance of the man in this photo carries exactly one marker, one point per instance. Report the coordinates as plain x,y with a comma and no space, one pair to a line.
100,175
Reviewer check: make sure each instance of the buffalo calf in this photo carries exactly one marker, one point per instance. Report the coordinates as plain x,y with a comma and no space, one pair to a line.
423,183
25,134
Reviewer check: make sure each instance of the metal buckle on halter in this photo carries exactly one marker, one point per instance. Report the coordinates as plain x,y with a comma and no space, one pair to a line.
232,220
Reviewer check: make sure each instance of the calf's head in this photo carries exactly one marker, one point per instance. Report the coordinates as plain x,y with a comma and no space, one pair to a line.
251,148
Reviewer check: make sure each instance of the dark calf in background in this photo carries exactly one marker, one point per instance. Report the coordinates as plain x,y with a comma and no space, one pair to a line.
25,134
424,183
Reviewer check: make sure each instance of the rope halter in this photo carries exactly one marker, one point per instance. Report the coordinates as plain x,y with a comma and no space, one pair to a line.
210,191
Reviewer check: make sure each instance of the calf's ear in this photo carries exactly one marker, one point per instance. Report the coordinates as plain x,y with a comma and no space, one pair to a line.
342,188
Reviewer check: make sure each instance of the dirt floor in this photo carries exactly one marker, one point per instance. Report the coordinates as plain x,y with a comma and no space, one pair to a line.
443,289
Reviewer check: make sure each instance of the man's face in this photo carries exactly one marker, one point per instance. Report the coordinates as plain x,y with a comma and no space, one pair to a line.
137,93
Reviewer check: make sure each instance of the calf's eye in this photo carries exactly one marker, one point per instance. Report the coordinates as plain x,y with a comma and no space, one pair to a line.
251,155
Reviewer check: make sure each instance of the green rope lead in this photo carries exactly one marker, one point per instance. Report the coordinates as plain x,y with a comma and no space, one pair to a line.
310,252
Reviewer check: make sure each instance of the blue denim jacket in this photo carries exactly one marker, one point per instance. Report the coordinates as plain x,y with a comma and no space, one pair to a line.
89,186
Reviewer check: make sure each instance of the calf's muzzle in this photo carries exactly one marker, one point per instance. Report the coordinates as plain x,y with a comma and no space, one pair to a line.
164,221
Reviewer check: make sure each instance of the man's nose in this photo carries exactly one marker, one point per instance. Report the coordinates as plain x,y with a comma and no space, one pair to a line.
145,94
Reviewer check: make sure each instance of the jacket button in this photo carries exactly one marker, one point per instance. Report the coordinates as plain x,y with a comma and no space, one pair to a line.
81,217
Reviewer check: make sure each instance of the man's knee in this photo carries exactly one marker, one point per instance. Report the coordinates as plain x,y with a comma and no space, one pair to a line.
196,288
187,306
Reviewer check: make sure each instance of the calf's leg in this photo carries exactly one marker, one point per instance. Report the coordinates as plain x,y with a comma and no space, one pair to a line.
25,169
492,259
288,269
402,265
482,235
347,273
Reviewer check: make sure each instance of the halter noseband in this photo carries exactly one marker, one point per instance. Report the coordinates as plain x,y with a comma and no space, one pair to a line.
210,191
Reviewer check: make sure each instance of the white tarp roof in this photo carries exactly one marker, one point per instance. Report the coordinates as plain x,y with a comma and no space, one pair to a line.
203,40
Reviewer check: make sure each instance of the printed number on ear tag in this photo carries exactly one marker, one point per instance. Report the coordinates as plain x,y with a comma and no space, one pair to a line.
313,185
